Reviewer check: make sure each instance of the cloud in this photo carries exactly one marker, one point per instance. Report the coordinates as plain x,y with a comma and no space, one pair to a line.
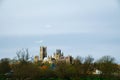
41,41
48,26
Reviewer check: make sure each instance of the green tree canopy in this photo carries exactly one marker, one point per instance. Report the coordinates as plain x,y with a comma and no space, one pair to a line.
4,65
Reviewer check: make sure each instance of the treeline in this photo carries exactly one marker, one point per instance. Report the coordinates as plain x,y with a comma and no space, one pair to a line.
22,68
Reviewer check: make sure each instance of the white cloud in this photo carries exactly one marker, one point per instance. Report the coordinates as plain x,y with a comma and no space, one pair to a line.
48,26
40,41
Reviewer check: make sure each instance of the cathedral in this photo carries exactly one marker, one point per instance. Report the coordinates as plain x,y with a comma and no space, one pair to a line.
58,56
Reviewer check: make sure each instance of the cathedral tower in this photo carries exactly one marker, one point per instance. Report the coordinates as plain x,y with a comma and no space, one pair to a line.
43,53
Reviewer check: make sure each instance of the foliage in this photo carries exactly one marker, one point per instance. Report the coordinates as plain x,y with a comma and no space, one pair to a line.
4,65
87,66
81,69
107,65
78,60
22,71
23,68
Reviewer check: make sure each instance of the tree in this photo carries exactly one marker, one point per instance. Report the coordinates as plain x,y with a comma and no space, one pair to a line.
23,71
78,63
23,56
24,68
64,70
4,65
88,65
107,65
78,60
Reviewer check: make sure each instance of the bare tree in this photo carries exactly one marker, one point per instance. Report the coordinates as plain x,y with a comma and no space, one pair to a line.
88,65
24,68
23,56
107,65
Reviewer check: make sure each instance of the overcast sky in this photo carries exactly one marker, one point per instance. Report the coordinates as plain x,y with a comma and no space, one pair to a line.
78,27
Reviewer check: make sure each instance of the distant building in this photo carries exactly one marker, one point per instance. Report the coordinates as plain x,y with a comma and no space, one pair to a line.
69,59
36,59
97,71
43,53
58,54
57,57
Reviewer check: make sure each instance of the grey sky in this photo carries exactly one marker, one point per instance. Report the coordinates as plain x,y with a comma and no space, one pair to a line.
91,26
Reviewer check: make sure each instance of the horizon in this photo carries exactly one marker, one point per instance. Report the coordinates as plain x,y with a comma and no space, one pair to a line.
78,28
